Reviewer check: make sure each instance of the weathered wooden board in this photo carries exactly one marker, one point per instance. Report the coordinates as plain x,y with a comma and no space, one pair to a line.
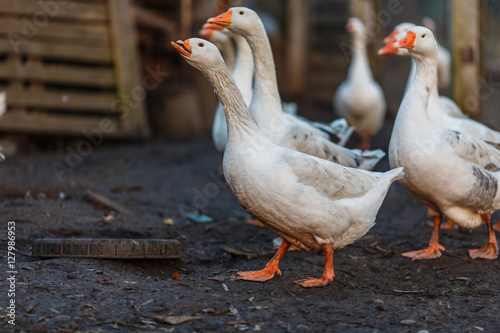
57,50
107,248
42,122
68,65
56,9
75,32
59,74
63,100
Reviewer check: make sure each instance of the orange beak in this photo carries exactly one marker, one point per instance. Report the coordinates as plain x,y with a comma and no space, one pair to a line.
349,26
224,19
392,37
212,26
408,41
388,49
182,47
207,33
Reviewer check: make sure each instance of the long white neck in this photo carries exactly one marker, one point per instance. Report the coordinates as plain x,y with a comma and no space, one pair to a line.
411,76
359,70
239,119
416,99
266,101
244,68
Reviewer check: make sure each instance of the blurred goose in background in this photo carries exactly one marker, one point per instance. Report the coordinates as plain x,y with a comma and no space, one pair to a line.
449,172
283,129
310,202
359,98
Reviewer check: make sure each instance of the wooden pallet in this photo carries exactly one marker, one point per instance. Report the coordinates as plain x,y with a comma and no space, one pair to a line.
71,66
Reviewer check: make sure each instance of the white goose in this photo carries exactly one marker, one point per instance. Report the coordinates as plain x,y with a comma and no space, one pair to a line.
312,203
446,113
359,98
283,129
449,172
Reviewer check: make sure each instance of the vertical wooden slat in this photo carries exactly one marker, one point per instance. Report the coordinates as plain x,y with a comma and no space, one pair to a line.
466,35
296,45
131,93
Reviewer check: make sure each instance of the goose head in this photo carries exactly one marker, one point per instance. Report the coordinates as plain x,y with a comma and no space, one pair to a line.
210,31
240,20
215,33
397,33
356,29
199,53
418,41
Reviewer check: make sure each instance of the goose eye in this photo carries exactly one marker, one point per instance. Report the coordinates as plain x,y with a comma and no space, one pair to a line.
423,36
242,12
201,44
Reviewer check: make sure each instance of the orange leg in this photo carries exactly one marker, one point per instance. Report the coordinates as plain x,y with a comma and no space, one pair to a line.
254,222
365,142
490,251
272,267
496,227
433,251
449,225
328,274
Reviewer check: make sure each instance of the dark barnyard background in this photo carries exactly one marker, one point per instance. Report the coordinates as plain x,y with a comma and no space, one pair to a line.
97,99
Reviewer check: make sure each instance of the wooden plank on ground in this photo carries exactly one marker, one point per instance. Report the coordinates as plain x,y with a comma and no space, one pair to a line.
126,58
41,122
36,10
88,101
101,77
107,248
78,31
94,54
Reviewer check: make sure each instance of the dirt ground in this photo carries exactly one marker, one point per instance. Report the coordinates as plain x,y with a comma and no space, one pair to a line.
375,290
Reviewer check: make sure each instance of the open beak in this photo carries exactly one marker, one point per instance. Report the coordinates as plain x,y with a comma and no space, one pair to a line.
391,38
223,20
388,49
182,47
408,41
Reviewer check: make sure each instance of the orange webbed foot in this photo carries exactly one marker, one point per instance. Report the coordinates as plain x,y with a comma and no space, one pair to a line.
259,276
432,252
490,251
312,282
271,268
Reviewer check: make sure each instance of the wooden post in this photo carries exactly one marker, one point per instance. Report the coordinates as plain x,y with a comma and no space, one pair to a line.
186,18
296,46
131,92
466,35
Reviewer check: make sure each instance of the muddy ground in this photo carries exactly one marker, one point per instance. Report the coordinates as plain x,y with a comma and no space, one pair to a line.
375,290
